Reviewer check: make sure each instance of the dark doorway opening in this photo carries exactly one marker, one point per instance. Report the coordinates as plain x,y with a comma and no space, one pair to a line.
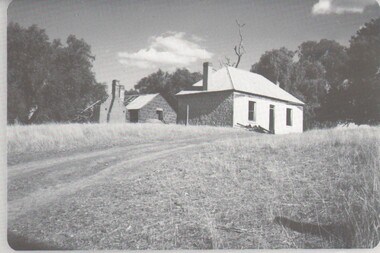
160,114
134,116
271,119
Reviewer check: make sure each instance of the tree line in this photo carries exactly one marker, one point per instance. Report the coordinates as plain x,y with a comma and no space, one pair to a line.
52,82
338,84
48,81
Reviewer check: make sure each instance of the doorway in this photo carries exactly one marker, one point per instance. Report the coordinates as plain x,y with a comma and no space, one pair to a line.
160,114
271,119
134,116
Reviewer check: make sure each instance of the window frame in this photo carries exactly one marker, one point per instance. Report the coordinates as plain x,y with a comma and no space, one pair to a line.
289,117
251,112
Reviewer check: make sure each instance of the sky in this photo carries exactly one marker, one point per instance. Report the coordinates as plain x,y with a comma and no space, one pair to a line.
134,38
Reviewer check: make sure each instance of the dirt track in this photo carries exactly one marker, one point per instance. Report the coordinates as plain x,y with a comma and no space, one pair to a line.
219,191
36,183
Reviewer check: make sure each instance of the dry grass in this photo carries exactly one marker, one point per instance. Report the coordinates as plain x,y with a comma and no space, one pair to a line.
226,195
64,137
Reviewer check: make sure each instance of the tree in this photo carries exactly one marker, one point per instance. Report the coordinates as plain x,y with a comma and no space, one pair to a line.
333,58
276,65
28,64
309,86
326,65
48,81
330,54
168,84
316,78
337,84
72,83
181,79
363,74
154,83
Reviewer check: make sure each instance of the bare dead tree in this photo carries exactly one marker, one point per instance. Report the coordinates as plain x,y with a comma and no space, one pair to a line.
239,49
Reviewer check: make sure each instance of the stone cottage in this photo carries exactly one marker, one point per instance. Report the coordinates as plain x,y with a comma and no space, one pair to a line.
119,108
232,96
148,108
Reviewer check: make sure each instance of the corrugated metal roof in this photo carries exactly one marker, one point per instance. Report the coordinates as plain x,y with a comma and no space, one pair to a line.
229,78
140,101
129,98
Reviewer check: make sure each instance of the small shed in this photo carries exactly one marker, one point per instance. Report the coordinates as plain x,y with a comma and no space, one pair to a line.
149,107
119,108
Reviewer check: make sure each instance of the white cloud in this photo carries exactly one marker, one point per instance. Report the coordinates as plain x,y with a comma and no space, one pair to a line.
170,50
341,6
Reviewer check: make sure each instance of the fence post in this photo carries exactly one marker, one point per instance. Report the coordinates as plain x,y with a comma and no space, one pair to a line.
187,115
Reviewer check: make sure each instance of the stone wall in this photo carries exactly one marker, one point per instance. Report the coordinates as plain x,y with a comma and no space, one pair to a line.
149,111
209,108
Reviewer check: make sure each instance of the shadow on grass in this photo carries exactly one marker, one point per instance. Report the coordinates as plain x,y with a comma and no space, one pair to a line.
18,242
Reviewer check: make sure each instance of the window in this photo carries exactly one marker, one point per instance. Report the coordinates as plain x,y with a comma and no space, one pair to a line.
289,116
251,110
271,119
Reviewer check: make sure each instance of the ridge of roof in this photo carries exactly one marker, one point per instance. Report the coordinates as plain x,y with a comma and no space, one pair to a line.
229,74
244,81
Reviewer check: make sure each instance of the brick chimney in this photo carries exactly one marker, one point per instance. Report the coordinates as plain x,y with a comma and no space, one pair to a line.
114,88
205,75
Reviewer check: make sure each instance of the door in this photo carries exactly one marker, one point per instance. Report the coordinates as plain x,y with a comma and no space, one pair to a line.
134,116
160,114
271,119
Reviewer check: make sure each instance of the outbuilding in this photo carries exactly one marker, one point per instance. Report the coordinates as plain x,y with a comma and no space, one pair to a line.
149,108
140,108
231,96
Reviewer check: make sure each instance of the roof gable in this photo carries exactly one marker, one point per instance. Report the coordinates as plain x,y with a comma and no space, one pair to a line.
229,78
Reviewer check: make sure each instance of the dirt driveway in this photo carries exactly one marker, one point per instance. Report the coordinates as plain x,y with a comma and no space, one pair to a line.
36,183
40,182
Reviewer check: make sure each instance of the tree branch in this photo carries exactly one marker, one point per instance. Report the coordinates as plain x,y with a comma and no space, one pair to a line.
238,49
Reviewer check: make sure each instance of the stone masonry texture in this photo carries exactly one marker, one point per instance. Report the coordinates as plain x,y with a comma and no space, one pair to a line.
149,111
209,108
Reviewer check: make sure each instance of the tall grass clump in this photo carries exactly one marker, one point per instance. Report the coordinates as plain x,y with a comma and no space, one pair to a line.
359,167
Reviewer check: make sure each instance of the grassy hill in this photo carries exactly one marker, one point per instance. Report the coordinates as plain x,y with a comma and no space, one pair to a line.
223,189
